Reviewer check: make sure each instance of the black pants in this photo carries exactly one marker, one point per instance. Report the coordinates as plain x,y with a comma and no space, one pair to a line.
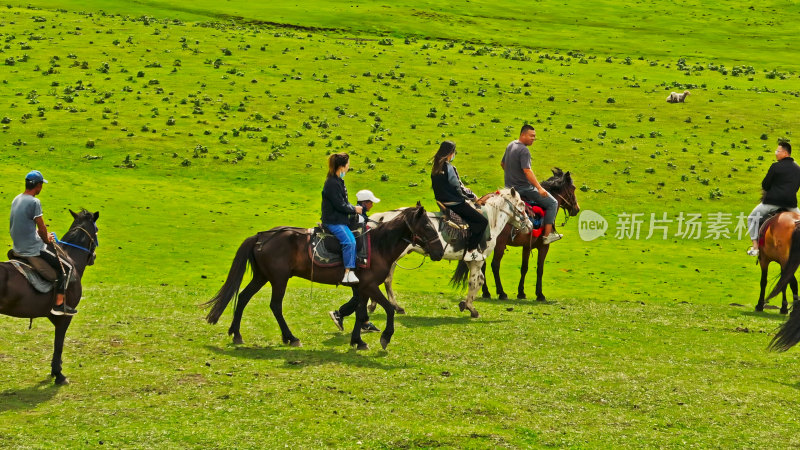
477,223
351,305
63,268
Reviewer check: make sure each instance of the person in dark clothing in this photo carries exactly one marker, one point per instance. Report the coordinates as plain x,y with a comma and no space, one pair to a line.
780,187
366,199
336,211
450,191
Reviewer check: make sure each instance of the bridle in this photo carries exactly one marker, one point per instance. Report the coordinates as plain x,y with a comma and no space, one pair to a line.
520,217
93,243
563,204
416,239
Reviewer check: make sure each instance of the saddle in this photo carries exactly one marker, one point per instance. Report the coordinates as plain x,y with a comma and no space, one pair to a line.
37,264
767,222
454,230
536,214
326,251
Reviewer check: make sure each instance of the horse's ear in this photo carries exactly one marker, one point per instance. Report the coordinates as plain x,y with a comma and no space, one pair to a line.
568,177
420,212
74,214
96,216
513,192
419,204
557,172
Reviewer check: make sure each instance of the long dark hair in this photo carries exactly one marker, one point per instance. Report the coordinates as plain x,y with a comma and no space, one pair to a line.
335,161
446,148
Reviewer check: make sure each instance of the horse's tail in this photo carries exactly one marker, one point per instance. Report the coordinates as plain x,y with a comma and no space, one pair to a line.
460,276
788,270
231,287
789,333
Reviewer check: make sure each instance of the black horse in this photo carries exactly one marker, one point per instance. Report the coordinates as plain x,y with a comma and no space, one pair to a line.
562,188
19,299
282,253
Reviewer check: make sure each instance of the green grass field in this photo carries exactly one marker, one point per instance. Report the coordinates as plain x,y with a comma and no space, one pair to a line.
190,131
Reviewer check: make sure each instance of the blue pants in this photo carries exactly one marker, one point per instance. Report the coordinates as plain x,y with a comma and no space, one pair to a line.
348,241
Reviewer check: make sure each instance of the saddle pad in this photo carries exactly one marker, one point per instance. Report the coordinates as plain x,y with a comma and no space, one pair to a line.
33,277
767,222
326,250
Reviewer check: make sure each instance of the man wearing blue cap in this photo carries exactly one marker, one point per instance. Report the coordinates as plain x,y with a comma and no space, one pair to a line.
30,237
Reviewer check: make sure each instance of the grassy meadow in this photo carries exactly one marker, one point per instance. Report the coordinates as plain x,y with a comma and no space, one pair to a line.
191,128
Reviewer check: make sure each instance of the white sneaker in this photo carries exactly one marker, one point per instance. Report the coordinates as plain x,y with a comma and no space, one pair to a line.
752,251
350,278
552,237
474,256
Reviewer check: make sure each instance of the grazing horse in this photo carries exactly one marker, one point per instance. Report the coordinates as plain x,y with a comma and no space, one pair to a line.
281,253
562,188
19,299
501,207
777,247
782,244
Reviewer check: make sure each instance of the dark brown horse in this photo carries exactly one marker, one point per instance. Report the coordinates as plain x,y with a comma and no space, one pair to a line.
777,247
782,244
562,188
283,253
19,299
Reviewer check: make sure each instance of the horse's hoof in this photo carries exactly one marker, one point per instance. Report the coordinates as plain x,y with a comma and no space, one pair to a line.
502,296
400,311
759,308
361,346
61,380
295,343
462,306
784,311
486,295
540,298
474,314
384,343
238,340
521,296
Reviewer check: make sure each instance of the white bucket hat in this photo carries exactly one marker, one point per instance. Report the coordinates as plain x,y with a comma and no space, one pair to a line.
366,195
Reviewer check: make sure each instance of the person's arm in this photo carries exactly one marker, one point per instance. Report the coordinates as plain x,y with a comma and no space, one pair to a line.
41,230
532,180
335,194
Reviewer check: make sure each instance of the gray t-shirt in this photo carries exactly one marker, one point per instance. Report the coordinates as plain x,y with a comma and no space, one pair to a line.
24,209
516,158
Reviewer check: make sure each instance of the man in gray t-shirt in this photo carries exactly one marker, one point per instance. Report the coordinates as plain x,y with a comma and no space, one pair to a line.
30,237
516,163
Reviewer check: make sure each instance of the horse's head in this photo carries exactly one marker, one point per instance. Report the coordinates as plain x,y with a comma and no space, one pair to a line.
82,234
562,188
423,233
516,209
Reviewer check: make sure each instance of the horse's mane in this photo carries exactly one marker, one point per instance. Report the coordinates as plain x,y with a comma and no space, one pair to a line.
558,182
388,233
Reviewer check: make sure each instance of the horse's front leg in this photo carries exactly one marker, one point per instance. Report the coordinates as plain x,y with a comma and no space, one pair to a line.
375,294
793,285
62,324
540,271
523,270
361,317
760,304
475,282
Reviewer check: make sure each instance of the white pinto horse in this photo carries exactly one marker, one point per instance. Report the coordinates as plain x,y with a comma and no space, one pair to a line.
501,207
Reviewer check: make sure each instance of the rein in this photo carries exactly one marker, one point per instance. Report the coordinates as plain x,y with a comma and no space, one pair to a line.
91,241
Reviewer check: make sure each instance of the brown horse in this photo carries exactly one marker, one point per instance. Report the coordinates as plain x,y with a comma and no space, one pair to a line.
19,299
782,244
282,253
777,247
562,188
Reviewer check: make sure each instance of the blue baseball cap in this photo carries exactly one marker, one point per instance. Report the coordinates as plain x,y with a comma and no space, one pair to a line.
35,176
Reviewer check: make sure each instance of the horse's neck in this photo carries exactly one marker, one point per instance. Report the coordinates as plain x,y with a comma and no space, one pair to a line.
497,216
